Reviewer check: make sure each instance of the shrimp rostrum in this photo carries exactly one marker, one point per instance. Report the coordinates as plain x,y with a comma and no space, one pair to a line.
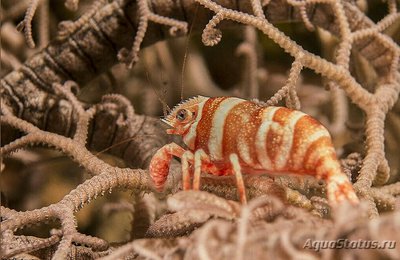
231,136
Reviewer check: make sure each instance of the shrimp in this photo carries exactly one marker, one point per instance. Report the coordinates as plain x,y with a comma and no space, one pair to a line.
231,136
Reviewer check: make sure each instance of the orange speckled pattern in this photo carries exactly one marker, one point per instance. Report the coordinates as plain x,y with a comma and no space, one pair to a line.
240,128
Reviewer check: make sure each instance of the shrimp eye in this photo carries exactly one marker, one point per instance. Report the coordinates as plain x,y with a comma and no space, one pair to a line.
181,114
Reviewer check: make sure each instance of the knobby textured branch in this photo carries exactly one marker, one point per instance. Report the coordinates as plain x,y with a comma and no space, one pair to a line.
40,107
289,90
252,230
27,23
145,16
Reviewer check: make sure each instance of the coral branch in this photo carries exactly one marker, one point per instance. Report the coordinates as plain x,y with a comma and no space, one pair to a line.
130,58
289,90
26,24
40,102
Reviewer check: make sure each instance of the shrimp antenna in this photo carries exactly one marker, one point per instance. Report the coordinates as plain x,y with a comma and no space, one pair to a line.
186,50
166,108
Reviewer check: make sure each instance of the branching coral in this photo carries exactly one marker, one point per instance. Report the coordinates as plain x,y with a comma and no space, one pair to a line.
289,90
43,19
40,101
27,23
67,28
254,234
109,178
145,15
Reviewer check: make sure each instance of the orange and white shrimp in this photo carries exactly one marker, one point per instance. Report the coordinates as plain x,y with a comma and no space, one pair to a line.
229,135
